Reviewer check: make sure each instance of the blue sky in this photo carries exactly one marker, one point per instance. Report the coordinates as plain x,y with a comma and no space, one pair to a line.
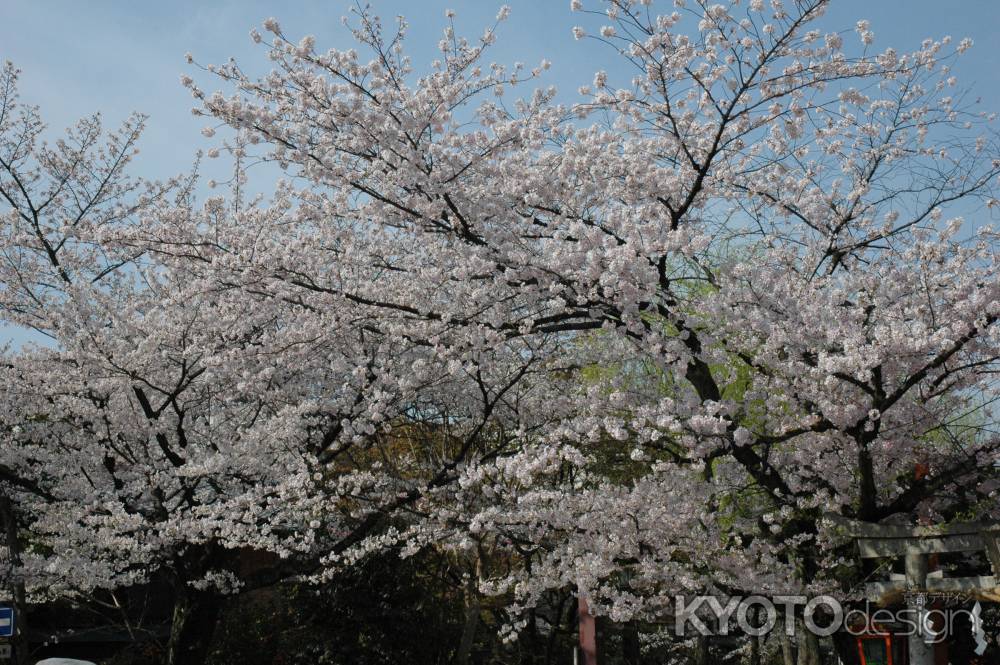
116,56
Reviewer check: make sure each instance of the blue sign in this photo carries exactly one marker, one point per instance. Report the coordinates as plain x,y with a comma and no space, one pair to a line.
6,621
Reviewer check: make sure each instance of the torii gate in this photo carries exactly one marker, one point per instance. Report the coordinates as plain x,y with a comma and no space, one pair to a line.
915,543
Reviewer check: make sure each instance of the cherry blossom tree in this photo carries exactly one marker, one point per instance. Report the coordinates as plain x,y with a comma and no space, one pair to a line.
763,223
177,423
642,342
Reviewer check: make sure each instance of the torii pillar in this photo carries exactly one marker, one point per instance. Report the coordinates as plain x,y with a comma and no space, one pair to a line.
920,652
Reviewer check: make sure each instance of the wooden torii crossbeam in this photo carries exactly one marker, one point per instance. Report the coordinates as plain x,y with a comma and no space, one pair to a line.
915,543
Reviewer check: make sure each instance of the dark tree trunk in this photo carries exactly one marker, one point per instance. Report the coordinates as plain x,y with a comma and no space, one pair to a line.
631,651
699,655
847,647
787,651
195,616
754,650
470,623
755,640
808,648
550,648
529,650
